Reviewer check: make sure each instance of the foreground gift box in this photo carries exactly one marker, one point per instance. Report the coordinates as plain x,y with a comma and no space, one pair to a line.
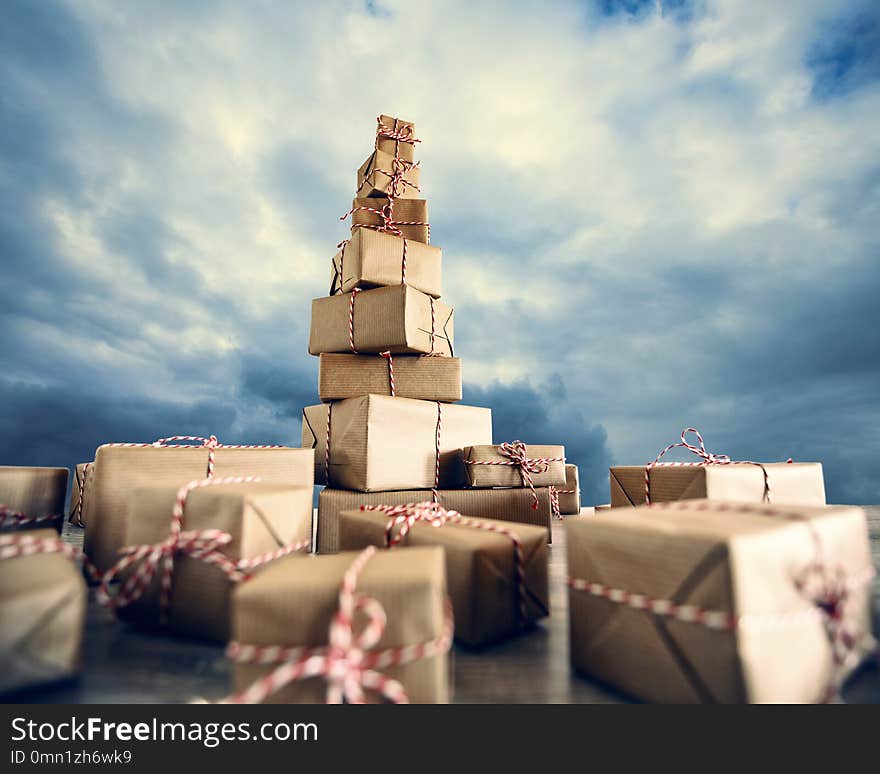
32,497
396,137
797,483
494,594
704,601
81,477
42,610
409,216
379,443
120,469
414,376
395,319
508,505
376,175
376,258
260,520
503,465
292,602
569,494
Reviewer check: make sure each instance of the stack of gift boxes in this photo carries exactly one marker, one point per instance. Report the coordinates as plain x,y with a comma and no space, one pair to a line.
714,580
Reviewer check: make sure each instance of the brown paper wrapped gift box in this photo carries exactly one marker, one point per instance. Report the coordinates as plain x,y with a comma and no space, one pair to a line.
499,473
797,483
508,505
82,475
375,259
380,443
261,518
410,216
35,493
480,570
399,148
394,319
374,177
42,610
292,601
715,557
570,493
415,376
119,470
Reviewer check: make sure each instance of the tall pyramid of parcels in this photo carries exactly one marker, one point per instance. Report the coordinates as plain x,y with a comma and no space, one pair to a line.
389,429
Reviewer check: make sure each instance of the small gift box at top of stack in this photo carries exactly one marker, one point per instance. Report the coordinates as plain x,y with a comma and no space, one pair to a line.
389,430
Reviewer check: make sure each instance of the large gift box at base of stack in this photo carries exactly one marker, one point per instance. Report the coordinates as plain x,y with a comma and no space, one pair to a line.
704,601
229,532
119,469
290,610
42,610
496,571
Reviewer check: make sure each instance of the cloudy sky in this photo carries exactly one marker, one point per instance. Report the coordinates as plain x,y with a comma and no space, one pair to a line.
652,215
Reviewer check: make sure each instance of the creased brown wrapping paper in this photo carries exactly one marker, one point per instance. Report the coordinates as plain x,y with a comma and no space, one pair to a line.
509,475
417,377
42,610
35,492
480,570
119,470
403,150
375,259
372,180
259,517
410,216
570,501
394,319
378,443
718,560
796,483
81,478
293,600
509,505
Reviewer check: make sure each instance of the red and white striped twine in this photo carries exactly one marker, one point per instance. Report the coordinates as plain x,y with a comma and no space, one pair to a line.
354,294
27,544
206,545
515,451
390,358
554,499
401,133
327,445
828,588
403,517
706,457
350,662
76,513
12,518
435,495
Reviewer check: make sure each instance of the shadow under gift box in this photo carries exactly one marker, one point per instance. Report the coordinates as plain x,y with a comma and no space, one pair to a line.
292,602
394,319
376,259
260,518
42,611
714,557
415,376
34,492
119,470
798,483
380,443
374,177
481,570
485,466
513,506
410,216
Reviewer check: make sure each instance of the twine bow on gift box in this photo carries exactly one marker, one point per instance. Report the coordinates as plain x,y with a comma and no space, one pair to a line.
28,544
403,517
204,442
205,545
350,662
828,588
706,458
515,451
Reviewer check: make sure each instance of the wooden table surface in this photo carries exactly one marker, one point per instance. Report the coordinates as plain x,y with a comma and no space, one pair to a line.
122,665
